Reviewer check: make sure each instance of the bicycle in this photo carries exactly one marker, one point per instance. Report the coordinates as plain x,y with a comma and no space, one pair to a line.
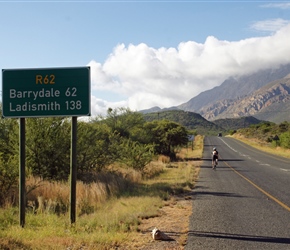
214,163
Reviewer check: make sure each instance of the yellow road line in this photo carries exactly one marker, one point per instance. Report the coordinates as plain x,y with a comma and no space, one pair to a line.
260,189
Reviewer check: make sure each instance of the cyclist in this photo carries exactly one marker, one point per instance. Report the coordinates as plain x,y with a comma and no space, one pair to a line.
215,157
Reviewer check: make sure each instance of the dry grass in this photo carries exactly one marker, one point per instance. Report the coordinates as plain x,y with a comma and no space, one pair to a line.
194,153
46,196
263,146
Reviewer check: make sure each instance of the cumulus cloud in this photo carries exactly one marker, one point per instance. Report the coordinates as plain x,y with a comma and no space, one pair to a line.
165,77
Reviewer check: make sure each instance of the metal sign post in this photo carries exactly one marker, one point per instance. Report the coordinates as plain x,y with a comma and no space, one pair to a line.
73,170
22,192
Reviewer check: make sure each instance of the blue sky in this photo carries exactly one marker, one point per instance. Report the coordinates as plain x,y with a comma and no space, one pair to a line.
146,53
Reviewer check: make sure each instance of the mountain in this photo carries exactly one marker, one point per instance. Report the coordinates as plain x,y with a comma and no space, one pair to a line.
271,102
235,87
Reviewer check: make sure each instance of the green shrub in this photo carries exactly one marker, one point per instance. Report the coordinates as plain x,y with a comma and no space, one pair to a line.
285,140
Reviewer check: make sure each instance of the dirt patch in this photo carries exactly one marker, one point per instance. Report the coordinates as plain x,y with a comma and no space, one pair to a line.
173,221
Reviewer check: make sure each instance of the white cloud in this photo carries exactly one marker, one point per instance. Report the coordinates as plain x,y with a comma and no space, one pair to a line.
164,77
277,5
271,25
100,107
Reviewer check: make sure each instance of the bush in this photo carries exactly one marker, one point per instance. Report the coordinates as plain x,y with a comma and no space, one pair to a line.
285,140
9,172
231,132
136,155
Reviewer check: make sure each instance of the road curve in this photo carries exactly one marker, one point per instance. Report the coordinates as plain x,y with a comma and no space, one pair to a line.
245,203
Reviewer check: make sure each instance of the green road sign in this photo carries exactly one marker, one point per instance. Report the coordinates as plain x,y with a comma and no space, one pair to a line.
46,92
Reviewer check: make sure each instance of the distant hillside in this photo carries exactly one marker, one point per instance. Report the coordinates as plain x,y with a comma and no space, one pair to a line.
151,110
194,121
236,123
157,109
190,120
277,112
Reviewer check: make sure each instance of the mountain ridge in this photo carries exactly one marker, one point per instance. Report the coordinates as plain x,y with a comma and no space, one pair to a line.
259,101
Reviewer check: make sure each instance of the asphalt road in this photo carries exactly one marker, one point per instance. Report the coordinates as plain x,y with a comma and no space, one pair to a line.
244,203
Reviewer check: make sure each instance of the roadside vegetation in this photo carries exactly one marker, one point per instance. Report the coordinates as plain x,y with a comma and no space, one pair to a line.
127,169
267,136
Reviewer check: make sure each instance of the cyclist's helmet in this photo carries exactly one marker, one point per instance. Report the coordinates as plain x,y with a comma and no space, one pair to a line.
214,149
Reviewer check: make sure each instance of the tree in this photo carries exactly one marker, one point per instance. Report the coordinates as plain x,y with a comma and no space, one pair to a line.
9,157
135,154
96,146
167,136
48,147
124,122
